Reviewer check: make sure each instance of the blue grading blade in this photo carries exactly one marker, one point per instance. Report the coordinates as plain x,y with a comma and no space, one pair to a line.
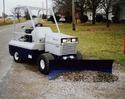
60,66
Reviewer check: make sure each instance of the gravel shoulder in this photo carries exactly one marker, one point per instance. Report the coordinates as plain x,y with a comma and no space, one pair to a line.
25,82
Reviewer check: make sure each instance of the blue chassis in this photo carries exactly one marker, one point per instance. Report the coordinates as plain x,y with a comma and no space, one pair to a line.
23,52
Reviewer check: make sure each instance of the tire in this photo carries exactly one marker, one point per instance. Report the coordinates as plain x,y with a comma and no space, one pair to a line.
79,56
16,57
43,63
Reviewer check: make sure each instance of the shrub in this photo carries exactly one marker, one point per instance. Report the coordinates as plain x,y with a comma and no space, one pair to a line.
52,19
83,18
115,19
68,19
99,18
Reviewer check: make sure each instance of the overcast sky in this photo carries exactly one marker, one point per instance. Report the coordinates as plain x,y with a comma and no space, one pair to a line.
12,3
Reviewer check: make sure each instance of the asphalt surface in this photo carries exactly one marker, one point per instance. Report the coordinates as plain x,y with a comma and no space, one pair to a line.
6,34
5,60
24,81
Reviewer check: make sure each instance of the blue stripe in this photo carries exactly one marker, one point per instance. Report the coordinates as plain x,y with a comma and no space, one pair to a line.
24,52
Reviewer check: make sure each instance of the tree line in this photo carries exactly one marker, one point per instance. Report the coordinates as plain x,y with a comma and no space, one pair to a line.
64,7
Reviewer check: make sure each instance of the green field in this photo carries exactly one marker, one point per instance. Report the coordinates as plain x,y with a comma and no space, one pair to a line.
98,41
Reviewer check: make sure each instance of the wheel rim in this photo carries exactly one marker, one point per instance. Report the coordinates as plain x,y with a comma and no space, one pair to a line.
42,64
16,56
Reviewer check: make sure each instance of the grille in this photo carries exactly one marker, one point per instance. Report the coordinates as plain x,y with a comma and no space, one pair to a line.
69,49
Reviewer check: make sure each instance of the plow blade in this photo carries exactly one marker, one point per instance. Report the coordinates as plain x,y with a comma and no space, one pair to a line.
61,66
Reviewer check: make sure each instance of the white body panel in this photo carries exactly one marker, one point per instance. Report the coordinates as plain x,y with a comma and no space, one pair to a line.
28,45
45,40
39,34
53,44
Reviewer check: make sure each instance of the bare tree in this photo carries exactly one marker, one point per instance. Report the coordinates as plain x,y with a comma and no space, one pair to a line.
93,5
107,4
81,6
27,16
63,6
17,13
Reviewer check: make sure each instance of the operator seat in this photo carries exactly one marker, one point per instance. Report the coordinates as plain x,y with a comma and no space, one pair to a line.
27,36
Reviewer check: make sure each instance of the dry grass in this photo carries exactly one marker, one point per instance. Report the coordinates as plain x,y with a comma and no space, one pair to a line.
9,21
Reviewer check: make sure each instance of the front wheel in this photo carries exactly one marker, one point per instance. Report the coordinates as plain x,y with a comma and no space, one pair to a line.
43,63
16,57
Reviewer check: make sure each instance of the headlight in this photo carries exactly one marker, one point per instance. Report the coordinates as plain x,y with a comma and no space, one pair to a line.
74,40
69,40
64,40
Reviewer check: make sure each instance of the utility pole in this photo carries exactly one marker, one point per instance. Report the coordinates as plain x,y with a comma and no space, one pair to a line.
73,16
46,7
4,10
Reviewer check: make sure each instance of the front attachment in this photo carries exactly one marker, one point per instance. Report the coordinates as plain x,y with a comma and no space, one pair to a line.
60,66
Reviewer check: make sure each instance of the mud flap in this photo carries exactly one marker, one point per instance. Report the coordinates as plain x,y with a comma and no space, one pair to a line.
60,66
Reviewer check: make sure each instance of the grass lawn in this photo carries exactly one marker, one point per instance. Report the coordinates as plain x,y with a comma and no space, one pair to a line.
99,41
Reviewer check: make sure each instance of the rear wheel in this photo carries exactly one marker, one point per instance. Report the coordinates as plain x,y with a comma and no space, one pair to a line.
43,63
16,57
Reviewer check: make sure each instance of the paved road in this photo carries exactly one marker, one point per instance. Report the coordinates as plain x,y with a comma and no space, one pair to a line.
23,81
5,60
5,36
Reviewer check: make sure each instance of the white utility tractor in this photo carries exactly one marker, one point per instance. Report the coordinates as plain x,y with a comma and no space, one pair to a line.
41,43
